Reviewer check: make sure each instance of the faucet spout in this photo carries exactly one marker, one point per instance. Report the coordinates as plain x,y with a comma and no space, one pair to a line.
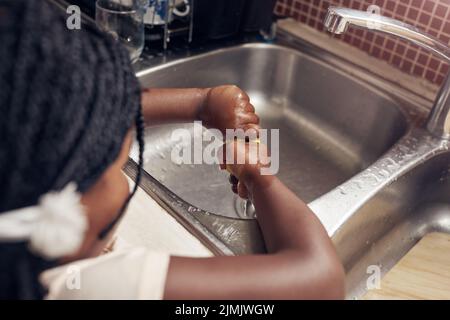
338,20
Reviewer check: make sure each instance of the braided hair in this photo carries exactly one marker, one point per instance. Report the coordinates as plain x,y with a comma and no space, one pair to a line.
67,100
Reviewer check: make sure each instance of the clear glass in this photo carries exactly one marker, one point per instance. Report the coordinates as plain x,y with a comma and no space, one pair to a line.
124,20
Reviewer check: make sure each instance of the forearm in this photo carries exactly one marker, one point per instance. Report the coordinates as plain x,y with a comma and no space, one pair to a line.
302,264
286,221
290,227
162,106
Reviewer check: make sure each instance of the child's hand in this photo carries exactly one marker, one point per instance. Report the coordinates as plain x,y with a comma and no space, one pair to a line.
244,175
228,107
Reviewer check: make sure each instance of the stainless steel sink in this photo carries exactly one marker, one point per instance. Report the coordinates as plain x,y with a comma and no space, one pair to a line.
352,146
331,125
376,217
385,228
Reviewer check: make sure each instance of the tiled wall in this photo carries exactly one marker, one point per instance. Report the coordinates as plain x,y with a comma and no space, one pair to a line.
432,16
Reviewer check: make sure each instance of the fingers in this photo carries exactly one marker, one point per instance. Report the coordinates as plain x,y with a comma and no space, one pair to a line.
249,118
249,108
236,92
234,183
234,188
242,191
237,187
233,179
251,126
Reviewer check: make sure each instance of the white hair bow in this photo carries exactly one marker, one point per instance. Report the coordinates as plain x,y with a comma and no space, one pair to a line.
54,228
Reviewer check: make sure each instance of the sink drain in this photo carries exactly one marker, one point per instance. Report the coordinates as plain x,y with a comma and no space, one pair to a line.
244,208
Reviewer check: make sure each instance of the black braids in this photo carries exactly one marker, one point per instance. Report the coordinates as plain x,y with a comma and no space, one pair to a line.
18,113
78,135
140,133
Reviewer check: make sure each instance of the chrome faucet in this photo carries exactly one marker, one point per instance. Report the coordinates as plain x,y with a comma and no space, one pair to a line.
338,20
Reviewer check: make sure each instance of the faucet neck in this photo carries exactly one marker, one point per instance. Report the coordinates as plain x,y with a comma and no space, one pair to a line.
338,20
439,119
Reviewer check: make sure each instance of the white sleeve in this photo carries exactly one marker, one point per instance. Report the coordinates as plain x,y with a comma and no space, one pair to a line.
135,274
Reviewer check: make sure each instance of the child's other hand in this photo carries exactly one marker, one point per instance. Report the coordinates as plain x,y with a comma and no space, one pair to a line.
228,107
245,175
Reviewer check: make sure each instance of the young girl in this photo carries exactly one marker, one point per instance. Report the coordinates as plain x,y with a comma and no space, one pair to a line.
68,103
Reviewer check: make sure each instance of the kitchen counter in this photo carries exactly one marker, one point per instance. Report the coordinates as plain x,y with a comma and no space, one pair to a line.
424,273
147,224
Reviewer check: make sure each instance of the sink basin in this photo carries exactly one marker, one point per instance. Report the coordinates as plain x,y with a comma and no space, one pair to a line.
331,125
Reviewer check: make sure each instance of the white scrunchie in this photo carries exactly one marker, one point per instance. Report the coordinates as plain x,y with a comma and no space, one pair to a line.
54,228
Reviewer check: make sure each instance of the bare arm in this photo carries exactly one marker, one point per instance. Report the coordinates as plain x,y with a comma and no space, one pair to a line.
160,106
301,264
224,107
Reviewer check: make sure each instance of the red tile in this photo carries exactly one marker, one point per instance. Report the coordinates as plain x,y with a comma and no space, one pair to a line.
444,38
412,14
434,64
447,27
429,15
356,42
380,40
416,3
439,79
444,68
376,52
390,5
424,18
400,48
411,54
366,46
433,33
418,70
430,75
401,10
437,23
441,11
359,32
428,6
406,66
386,56
423,59
390,44
397,60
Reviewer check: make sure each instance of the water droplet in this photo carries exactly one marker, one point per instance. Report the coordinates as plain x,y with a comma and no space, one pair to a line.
192,209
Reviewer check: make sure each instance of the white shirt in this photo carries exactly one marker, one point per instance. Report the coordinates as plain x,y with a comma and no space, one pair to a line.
120,275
